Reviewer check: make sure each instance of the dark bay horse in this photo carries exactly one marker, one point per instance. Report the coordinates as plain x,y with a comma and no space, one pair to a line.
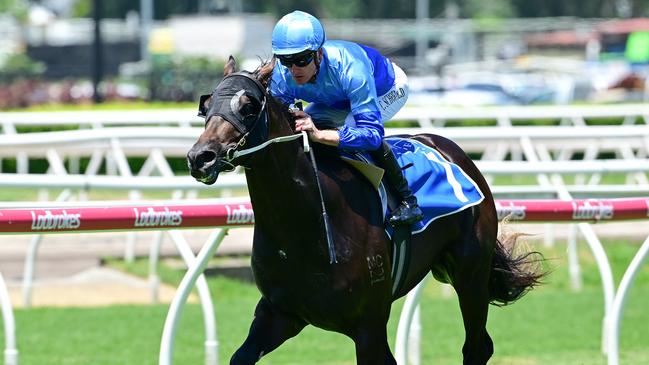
290,259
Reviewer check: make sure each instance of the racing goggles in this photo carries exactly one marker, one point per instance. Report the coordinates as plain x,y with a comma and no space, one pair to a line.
299,60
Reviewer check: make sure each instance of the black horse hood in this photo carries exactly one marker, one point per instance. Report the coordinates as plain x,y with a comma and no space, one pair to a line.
226,101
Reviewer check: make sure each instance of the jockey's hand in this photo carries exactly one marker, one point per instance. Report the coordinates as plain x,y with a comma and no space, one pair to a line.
303,122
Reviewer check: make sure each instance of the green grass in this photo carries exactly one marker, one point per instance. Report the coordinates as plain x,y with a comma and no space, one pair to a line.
552,325
606,178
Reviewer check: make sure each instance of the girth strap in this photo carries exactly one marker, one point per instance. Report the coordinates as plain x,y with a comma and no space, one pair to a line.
401,241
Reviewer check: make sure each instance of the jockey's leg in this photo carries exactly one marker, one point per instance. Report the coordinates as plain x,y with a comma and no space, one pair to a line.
408,212
269,329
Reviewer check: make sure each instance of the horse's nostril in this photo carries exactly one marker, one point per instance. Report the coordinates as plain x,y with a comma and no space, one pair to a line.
204,157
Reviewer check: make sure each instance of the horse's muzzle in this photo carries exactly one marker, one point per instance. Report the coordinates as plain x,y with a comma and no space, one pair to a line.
204,165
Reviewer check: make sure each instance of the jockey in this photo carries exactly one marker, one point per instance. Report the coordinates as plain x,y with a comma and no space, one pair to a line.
351,89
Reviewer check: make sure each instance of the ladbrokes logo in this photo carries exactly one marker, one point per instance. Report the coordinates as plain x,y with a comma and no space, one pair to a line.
591,210
49,221
241,215
510,211
154,218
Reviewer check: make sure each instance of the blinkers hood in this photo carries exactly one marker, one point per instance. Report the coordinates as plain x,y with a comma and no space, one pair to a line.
226,101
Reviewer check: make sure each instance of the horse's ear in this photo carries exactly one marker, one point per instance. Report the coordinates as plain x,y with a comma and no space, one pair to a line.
230,66
204,105
266,72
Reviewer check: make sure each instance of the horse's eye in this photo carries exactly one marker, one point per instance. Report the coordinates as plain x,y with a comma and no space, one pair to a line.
248,109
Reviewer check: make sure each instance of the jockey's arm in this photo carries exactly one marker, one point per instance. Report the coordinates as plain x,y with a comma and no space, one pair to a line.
325,136
367,134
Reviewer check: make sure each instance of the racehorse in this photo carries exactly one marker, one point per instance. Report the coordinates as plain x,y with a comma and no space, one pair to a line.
290,258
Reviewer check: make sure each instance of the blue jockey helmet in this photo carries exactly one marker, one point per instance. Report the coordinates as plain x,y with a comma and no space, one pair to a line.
297,32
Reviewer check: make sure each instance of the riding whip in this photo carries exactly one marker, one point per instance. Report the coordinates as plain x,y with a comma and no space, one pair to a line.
325,216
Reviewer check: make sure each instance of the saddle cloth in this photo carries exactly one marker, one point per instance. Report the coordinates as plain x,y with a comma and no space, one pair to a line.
441,187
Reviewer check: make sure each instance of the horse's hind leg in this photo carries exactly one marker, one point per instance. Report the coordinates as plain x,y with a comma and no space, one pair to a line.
372,345
389,358
471,279
268,330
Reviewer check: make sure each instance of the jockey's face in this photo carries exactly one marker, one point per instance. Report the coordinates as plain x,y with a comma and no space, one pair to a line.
303,67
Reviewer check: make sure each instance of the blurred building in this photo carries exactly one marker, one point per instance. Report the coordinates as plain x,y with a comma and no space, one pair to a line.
608,39
494,60
65,46
245,36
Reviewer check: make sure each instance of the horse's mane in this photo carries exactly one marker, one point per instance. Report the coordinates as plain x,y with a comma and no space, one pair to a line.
264,71
264,74
265,68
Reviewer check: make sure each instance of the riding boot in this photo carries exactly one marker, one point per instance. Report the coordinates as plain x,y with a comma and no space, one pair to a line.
408,212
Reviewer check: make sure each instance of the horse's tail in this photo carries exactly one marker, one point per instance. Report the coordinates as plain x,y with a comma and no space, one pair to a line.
513,273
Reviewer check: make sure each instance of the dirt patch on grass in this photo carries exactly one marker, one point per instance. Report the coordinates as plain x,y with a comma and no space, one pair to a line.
92,288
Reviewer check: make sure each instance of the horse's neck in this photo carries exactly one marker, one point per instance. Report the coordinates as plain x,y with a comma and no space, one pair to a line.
281,174
282,184
284,197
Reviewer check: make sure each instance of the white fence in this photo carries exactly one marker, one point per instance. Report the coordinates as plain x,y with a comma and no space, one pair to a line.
169,133
424,116
113,145
157,135
547,153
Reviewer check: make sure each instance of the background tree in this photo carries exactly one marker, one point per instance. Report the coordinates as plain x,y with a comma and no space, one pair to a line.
15,8
585,9
162,9
379,9
488,9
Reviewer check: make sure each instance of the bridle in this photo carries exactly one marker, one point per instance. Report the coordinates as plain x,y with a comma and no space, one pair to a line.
230,113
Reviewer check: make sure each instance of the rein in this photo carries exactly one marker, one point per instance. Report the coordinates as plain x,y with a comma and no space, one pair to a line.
234,153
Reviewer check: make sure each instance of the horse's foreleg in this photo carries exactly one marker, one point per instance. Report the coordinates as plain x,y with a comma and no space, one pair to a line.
372,346
269,329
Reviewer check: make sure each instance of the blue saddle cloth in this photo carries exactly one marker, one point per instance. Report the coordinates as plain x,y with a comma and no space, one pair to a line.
441,187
